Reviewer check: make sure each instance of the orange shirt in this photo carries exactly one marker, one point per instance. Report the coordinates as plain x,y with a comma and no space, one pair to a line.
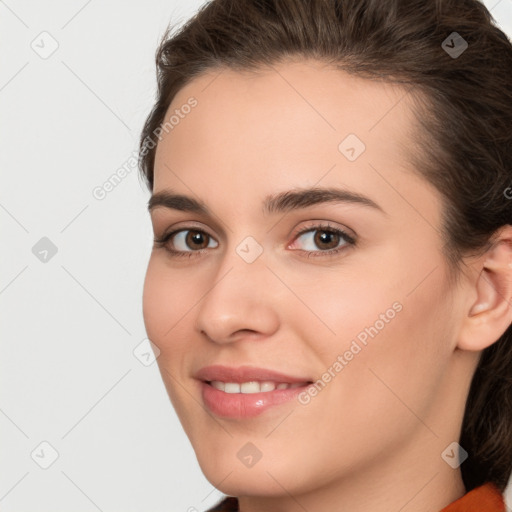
486,498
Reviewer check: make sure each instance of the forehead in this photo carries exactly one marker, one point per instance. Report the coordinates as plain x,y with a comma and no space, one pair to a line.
258,132
318,91
296,106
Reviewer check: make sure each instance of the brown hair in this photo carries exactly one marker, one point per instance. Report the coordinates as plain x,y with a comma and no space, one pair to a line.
463,106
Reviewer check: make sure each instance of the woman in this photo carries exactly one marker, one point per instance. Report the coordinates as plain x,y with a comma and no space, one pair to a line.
331,278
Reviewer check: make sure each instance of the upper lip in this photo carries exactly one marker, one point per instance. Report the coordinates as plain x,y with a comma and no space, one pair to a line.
245,374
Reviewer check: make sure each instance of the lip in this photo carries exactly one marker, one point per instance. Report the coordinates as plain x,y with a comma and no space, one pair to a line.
241,405
241,374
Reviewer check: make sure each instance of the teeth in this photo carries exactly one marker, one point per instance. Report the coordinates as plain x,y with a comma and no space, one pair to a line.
267,386
252,386
217,384
231,387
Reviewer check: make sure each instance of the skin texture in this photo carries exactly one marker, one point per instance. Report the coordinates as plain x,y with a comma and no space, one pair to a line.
372,438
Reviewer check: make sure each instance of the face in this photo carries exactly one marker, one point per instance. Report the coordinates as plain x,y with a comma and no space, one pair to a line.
346,292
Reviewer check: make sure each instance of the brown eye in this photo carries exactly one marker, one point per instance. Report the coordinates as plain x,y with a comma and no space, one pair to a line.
323,240
190,239
326,239
185,242
196,239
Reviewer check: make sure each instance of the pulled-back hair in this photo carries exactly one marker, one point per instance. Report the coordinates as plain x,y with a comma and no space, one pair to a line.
463,106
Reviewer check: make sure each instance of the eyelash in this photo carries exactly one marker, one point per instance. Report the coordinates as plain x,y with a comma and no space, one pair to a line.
164,239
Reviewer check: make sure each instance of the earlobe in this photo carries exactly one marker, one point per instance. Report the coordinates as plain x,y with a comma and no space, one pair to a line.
490,314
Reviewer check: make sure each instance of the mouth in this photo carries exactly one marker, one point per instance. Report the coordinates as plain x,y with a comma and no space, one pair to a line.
250,398
249,377
254,386
243,392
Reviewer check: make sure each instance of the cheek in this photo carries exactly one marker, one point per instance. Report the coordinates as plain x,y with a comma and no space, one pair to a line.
383,300
164,305
343,307
167,298
392,335
154,301
388,383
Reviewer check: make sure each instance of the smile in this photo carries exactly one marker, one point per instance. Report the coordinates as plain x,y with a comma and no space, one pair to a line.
253,386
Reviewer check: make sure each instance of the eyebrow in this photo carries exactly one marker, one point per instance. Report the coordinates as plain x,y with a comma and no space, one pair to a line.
275,203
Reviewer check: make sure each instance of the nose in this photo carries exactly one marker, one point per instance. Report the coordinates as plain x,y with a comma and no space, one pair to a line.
241,301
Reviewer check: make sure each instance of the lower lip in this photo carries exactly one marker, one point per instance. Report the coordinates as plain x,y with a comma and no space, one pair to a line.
245,405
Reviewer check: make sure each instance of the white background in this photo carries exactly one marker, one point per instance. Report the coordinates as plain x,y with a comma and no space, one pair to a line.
69,326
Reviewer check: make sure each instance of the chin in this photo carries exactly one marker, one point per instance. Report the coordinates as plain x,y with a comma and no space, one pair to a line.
265,478
247,483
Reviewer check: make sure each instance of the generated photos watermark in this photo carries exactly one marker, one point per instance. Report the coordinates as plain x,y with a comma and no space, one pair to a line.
355,348
100,192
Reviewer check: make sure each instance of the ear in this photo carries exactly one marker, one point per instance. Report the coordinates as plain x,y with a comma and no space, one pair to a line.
489,316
